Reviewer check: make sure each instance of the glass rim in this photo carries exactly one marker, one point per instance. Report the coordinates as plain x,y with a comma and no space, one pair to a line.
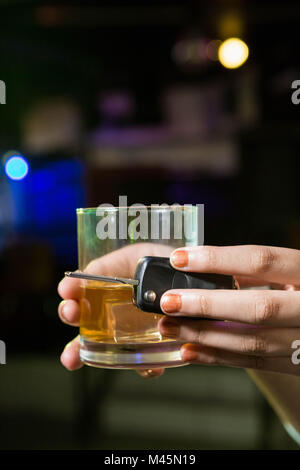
83,210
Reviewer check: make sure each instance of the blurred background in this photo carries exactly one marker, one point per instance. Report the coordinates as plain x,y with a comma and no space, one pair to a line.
144,99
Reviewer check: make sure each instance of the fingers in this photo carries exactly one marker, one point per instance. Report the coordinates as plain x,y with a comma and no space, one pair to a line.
232,337
260,307
123,262
196,354
69,288
274,264
115,263
246,282
120,262
70,357
69,312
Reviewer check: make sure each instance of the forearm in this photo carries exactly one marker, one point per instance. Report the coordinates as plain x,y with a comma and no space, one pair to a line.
283,393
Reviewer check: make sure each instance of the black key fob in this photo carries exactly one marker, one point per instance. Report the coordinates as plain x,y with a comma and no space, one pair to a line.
156,276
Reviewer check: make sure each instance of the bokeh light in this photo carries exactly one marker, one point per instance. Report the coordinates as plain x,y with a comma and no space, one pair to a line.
233,53
16,167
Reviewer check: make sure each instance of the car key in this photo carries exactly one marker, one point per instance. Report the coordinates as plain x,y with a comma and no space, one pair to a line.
155,275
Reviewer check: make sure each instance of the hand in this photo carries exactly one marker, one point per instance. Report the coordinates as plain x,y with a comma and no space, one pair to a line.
253,329
121,263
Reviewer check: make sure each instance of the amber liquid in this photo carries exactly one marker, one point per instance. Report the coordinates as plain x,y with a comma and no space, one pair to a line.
108,315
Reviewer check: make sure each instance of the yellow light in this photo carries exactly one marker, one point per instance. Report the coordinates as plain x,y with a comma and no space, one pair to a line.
233,53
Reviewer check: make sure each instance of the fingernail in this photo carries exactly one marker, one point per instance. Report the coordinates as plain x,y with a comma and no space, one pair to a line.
62,312
65,310
171,303
189,353
59,285
179,259
169,327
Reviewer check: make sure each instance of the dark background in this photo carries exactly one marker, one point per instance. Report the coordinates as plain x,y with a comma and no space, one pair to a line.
158,127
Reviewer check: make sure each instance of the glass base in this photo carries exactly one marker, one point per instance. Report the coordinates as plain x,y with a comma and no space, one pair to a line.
131,356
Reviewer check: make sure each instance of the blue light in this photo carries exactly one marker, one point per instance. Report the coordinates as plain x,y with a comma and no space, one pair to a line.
16,167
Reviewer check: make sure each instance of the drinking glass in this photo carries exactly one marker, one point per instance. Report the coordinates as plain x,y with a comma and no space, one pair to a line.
114,333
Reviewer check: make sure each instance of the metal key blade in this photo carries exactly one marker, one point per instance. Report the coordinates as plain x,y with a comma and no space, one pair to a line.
92,277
